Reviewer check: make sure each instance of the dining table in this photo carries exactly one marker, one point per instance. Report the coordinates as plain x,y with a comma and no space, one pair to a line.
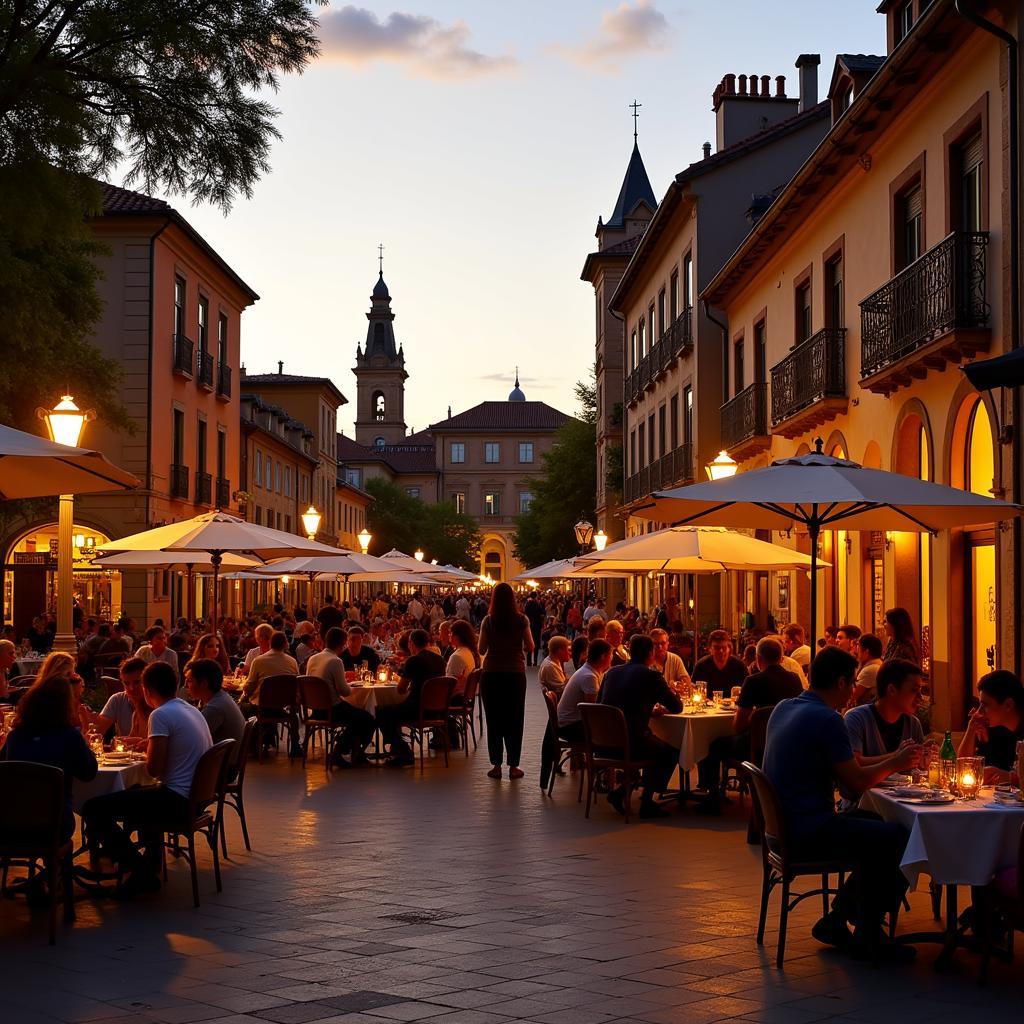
370,696
962,842
693,732
115,775
28,664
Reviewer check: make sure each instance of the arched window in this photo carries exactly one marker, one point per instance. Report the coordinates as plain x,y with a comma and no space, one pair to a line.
379,442
378,406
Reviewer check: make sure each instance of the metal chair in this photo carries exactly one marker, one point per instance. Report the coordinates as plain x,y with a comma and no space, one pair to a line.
463,713
568,753
607,749
315,705
435,701
1001,903
277,699
233,793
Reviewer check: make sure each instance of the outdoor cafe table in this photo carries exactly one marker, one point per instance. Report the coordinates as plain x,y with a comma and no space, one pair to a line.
371,696
692,732
961,843
113,777
29,664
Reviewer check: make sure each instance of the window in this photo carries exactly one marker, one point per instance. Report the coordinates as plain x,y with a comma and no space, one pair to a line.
179,305
650,438
737,367
204,325
303,488
803,311
674,420
257,515
257,472
277,477
688,281
222,340
969,161
354,477
287,523
641,340
458,452
633,467
834,293
662,428
525,451
288,481
652,337
903,21
492,503
909,225
641,448
688,415
379,442
673,296
661,312
459,499
760,352
413,492
378,407
525,498
178,437
201,445
280,523
632,350
492,451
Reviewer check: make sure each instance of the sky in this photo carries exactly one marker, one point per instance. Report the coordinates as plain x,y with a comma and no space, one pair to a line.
479,141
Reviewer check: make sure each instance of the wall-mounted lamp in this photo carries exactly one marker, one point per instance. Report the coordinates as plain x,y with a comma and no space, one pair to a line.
889,535
849,544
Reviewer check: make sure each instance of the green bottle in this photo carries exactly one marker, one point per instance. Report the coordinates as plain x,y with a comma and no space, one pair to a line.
947,760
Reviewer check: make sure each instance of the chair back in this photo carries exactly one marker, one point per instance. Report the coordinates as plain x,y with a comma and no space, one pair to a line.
759,732
472,687
769,812
242,755
551,703
22,681
278,693
314,695
208,779
604,727
436,696
32,810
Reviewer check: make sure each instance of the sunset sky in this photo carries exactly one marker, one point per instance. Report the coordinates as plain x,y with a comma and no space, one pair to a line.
479,141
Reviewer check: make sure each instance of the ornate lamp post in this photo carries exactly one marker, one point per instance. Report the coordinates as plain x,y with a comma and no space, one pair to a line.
600,540
364,537
311,522
65,423
721,467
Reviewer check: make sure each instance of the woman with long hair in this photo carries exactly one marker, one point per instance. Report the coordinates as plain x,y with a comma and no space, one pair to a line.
465,657
209,645
902,642
505,641
996,726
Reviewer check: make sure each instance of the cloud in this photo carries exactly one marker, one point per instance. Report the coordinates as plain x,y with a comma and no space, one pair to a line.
629,30
420,44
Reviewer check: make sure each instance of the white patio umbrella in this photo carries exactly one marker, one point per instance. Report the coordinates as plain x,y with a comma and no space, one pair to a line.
820,492
430,575
218,534
36,467
563,569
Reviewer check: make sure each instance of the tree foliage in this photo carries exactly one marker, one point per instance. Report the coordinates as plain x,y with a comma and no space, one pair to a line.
398,520
565,490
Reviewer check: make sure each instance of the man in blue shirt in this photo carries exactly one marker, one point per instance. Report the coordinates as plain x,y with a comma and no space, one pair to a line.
807,753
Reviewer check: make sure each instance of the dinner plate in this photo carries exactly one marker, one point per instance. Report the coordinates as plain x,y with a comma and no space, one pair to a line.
923,791
926,801
893,781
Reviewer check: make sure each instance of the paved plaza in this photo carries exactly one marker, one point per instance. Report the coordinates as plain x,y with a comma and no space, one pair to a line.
383,895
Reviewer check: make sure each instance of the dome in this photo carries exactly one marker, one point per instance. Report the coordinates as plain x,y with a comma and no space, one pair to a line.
516,394
380,289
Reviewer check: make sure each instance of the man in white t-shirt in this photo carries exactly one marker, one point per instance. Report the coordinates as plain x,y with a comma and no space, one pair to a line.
462,607
415,609
582,688
178,738
155,648
794,645
551,674
667,662
261,634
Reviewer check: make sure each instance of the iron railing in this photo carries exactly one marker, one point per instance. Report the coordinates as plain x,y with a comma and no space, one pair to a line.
179,481
940,291
204,488
223,492
204,368
814,370
674,467
676,339
224,381
182,355
745,416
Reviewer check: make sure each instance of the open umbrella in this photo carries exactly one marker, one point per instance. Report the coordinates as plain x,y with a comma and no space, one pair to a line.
556,569
35,467
217,534
821,492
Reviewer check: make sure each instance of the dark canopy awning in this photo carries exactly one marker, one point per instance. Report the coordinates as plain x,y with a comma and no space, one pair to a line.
1005,371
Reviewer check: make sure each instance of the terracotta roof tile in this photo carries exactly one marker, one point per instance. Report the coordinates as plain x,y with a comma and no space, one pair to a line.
504,416
123,200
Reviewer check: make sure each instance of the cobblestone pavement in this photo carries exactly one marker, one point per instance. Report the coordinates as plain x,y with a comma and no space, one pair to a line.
383,895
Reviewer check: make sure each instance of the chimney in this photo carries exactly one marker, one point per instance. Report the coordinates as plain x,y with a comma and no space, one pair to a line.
707,150
280,366
807,65
745,106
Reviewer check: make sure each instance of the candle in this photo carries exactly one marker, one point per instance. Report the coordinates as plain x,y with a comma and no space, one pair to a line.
969,773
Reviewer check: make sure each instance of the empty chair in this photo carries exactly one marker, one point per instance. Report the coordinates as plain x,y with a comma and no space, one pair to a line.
278,698
315,704
558,751
234,788
607,749
463,713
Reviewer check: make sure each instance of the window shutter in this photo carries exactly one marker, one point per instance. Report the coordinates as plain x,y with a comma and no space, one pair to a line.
971,153
913,202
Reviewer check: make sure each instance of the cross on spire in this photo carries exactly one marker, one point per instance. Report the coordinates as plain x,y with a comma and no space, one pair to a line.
636,116
380,260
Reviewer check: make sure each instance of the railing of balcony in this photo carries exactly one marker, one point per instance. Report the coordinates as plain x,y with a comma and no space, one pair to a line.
745,416
204,368
814,370
179,481
940,291
204,486
676,339
182,355
674,467
224,381
223,492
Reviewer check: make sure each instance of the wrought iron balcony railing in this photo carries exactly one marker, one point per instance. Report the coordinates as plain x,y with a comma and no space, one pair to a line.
204,488
672,469
223,492
182,355
224,381
676,339
745,416
814,370
941,291
204,369
179,481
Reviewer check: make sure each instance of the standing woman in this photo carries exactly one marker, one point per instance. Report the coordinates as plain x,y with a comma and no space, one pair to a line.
505,640
901,640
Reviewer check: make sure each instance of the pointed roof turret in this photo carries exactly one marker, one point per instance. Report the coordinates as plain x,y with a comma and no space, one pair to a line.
380,289
636,189
380,347
516,394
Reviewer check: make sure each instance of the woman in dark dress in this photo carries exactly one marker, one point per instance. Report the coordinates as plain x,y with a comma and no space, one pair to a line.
996,726
902,643
505,641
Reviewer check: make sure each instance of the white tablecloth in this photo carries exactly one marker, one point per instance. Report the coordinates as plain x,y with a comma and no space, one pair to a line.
963,843
110,779
692,734
28,666
378,695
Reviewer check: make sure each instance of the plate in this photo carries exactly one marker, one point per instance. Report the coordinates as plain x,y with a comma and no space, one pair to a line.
926,801
891,781
922,791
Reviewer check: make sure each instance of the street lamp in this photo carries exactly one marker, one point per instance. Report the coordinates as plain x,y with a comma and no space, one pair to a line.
364,537
721,467
311,522
418,554
584,533
65,423
600,540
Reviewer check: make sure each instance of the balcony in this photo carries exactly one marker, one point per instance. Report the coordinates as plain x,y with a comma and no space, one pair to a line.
204,487
673,469
179,482
809,385
182,355
223,381
204,369
674,342
929,315
223,493
745,422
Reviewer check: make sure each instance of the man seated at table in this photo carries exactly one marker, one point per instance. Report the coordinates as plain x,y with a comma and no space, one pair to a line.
720,669
178,738
879,728
640,691
551,674
126,712
808,752
795,646
582,688
669,664
996,726
205,681
276,662
8,659
764,688
155,648
421,665
868,653
329,665
614,632
261,634
354,652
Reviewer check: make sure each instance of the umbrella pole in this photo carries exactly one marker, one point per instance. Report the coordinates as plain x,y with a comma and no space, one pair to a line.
813,529
215,562
309,610
190,596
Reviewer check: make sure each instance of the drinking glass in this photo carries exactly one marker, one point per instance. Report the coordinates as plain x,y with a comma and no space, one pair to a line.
735,692
716,697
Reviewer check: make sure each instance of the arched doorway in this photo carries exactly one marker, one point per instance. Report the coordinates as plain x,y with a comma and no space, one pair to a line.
493,558
30,576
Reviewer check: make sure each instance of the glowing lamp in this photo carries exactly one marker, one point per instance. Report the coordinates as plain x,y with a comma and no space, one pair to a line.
418,554
584,531
600,540
311,522
364,537
721,467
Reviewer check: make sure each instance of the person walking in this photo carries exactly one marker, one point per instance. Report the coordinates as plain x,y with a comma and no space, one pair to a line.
505,641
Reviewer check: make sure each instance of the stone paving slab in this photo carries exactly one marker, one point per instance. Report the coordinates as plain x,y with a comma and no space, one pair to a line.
379,895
